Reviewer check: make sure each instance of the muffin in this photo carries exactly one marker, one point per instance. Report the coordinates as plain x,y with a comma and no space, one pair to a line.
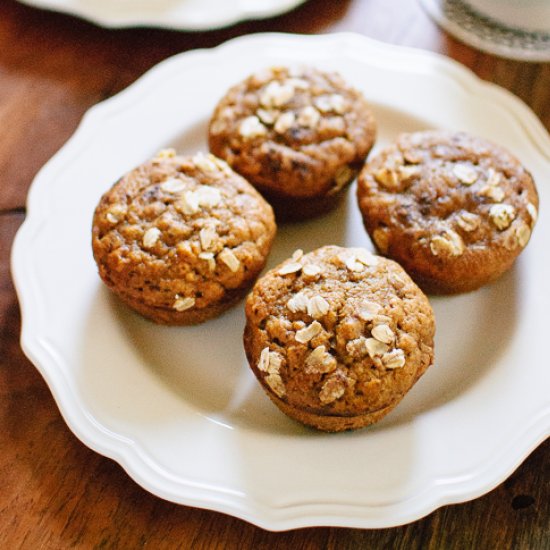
180,239
338,336
299,136
453,209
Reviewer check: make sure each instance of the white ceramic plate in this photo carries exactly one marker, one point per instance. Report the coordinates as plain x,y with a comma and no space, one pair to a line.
178,408
191,15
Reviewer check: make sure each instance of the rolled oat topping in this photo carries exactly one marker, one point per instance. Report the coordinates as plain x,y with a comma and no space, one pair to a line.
270,361
210,163
368,310
207,236
317,307
447,220
251,127
190,202
394,359
208,196
291,267
468,221
466,173
331,103
173,185
276,94
227,256
285,122
493,193
357,347
449,243
297,254
502,215
387,178
533,213
275,382
209,257
383,333
311,270
151,236
309,117
353,264
159,230
268,117
333,388
297,133
523,234
375,347
111,218
319,361
182,304
306,334
298,302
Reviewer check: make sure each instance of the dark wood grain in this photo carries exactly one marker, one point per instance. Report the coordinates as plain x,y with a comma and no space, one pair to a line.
54,491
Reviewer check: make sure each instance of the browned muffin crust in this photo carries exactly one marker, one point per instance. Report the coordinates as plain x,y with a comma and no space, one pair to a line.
300,136
453,209
337,337
180,239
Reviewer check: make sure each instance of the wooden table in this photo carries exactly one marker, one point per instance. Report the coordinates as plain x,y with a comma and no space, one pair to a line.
55,492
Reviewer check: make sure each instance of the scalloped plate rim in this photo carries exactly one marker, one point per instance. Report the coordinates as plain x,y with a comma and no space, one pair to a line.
127,453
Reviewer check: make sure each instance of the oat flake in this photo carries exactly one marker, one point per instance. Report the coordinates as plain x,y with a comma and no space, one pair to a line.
319,361
275,382
383,333
150,237
394,359
375,347
298,302
228,257
172,185
306,334
251,127
333,388
502,215
291,267
183,304
311,270
317,307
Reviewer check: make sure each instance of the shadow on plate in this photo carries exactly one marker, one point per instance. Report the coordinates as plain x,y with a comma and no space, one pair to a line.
472,333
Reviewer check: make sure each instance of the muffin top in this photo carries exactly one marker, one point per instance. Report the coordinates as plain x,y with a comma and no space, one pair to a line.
452,208
180,231
338,331
294,132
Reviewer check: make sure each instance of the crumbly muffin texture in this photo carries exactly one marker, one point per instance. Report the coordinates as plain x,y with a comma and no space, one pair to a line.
338,336
293,133
180,239
453,209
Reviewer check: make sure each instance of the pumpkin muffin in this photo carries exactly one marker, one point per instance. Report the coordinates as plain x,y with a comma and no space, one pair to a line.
453,209
299,136
180,239
338,336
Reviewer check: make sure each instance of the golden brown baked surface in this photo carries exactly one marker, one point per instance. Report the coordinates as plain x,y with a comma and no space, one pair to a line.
180,239
453,209
298,134
337,337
